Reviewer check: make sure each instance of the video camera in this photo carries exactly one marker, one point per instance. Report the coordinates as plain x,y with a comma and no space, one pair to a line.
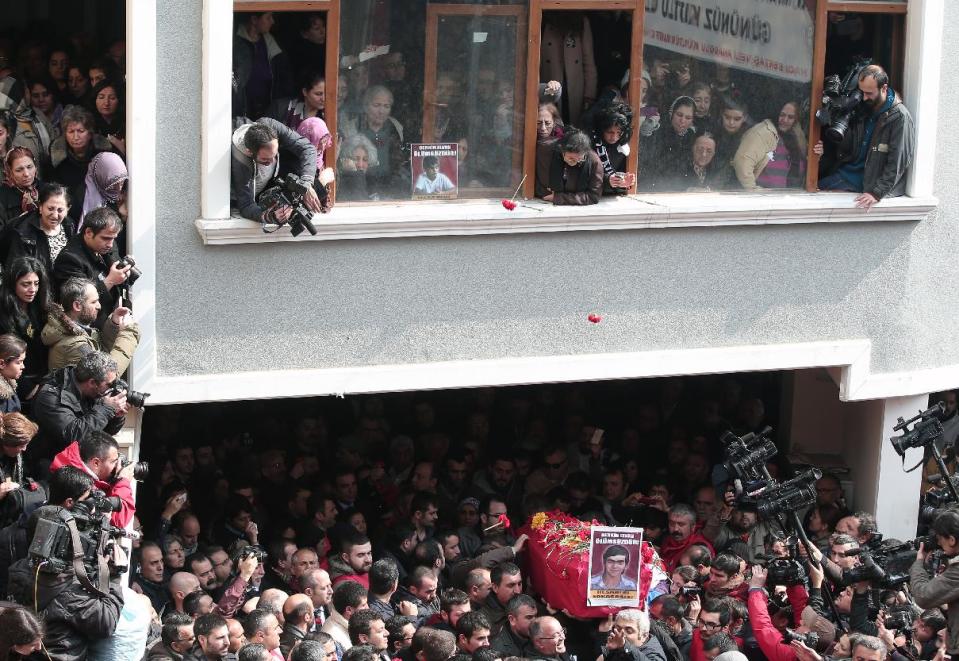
785,571
870,570
289,192
926,429
809,639
53,548
135,398
841,101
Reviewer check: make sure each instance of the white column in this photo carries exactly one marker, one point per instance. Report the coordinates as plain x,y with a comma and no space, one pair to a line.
216,127
897,492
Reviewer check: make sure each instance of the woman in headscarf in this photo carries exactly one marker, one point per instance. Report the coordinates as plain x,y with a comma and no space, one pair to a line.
663,154
19,192
72,152
105,185
317,132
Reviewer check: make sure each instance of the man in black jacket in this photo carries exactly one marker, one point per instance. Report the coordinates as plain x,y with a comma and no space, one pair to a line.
212,639
73,401
74,617
91,254
877,150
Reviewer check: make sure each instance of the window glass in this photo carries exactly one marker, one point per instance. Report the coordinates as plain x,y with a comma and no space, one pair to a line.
725,95
431,98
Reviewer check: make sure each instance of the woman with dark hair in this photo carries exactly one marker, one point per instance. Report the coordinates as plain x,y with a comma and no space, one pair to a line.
18,194
568,172
663,154
108,115
78,85
310,103
772,154
8,128
13,353
21,633
24,305
611,133
44,233
44,98
58,64
733,124
72,152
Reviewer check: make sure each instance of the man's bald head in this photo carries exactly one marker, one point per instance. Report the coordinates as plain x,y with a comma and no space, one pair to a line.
298,610
184,583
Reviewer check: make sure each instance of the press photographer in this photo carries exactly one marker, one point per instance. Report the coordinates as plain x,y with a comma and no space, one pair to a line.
930,591
256,168
870,134
98,455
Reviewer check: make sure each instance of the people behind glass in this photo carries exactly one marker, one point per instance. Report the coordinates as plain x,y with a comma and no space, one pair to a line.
469,173
24,304
42,234
567,54
772,154
311,102
109,117
648,114
611,134
385,179
732,125
568,171
261,70
431,181
663,154
71,153
702,171
702,97
19,191
357,155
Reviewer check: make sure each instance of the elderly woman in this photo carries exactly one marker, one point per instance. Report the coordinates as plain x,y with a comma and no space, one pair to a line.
18,194
702,96
72,152
108,114
568,172
702,170
613,127
310,103
358,155
663,154
549,125
43,234
772,154
386,133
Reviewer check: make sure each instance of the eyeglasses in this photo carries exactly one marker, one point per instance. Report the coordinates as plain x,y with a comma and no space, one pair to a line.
709,625
559,635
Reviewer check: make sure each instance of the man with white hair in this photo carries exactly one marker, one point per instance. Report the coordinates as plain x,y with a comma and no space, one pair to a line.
630,640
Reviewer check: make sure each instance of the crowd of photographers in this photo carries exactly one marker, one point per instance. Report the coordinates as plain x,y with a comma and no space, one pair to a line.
382,528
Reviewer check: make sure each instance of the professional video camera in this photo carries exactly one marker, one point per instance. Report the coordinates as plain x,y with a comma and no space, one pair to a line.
926,429
134,273
785,571
870,570
82,539
900,618
841,100
135,398
746,456
289,192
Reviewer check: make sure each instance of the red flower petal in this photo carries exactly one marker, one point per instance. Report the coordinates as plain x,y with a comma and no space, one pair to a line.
509,204
594,318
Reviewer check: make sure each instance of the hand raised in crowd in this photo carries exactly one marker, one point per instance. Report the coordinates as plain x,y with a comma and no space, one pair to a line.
247,567
252,532
519,543
173,505
407,608
127,471
553,88
816,574
694,606
758,579
616,639
803,652
116,276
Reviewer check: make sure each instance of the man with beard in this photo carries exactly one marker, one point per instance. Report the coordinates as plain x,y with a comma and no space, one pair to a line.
876,151
354,561
682,519
70,333
212,639
500,480
730,524
726,578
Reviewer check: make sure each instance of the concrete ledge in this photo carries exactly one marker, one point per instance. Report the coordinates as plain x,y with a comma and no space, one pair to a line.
463,218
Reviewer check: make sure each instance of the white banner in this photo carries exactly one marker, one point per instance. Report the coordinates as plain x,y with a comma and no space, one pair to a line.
769,37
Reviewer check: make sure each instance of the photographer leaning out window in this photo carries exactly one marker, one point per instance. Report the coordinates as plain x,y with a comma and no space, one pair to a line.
256,166
874,154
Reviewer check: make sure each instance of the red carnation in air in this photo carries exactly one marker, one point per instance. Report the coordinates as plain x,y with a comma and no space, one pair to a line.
594,318
509,205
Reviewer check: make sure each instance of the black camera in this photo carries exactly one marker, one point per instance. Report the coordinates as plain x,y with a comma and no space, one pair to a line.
745,456
289,192
248,551
841,101
870,570
134,273
927,428
899,619
810,639
690,591
789,496
785,571
141,469
135,398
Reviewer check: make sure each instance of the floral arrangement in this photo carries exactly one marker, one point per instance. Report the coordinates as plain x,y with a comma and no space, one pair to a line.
560,550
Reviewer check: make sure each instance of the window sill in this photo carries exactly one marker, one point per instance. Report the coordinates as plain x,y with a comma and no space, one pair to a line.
632,212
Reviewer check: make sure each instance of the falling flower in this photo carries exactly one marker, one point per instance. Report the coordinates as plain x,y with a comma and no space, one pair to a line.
509,204
594,318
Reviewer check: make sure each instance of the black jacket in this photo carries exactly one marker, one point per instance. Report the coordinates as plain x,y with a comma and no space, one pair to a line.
72,616
651,650
509,644
78,261
889,155
28,240
289,638
64,416
10,203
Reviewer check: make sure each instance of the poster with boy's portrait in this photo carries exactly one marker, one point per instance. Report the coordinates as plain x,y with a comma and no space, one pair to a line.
614,559
435,171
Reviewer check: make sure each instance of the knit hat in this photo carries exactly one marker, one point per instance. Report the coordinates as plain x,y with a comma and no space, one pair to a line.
817,623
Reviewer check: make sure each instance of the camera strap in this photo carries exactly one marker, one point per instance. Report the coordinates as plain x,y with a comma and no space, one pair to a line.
81,572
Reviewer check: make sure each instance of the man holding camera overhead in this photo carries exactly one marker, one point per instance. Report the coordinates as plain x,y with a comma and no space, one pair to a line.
875,152
73,401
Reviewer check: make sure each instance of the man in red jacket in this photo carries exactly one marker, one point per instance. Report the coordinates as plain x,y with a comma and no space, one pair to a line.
682,520
769,638
98,455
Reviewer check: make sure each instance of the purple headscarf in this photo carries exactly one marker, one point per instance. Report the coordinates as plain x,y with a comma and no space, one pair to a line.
315,129
106,175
